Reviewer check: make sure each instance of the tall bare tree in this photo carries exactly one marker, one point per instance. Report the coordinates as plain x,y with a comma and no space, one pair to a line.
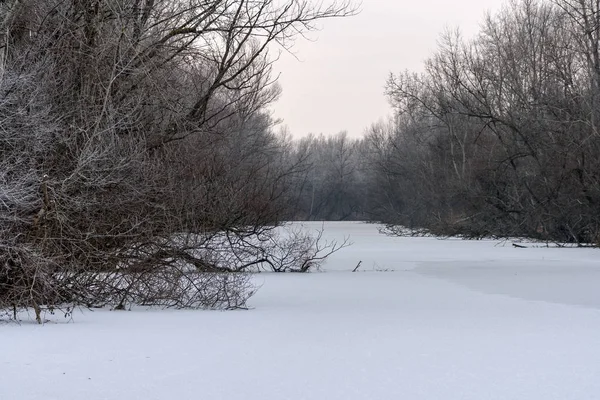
133,132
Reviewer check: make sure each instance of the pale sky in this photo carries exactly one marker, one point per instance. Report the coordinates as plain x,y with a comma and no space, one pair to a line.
339,81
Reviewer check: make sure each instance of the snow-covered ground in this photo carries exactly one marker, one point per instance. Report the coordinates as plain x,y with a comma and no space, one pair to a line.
423,319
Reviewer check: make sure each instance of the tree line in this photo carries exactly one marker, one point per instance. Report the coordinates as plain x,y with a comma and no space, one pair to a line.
498,136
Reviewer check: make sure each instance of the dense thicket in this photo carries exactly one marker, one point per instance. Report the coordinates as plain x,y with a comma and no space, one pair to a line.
134,143
499,135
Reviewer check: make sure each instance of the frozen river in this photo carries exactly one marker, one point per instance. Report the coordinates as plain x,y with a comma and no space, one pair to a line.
422,319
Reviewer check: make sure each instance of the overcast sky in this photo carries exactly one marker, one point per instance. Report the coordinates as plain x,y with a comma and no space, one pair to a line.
337,83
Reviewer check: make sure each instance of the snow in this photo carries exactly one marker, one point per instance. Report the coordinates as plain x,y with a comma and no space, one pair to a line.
422,319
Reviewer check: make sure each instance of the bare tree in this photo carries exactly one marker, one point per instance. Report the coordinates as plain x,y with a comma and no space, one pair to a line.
127,123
